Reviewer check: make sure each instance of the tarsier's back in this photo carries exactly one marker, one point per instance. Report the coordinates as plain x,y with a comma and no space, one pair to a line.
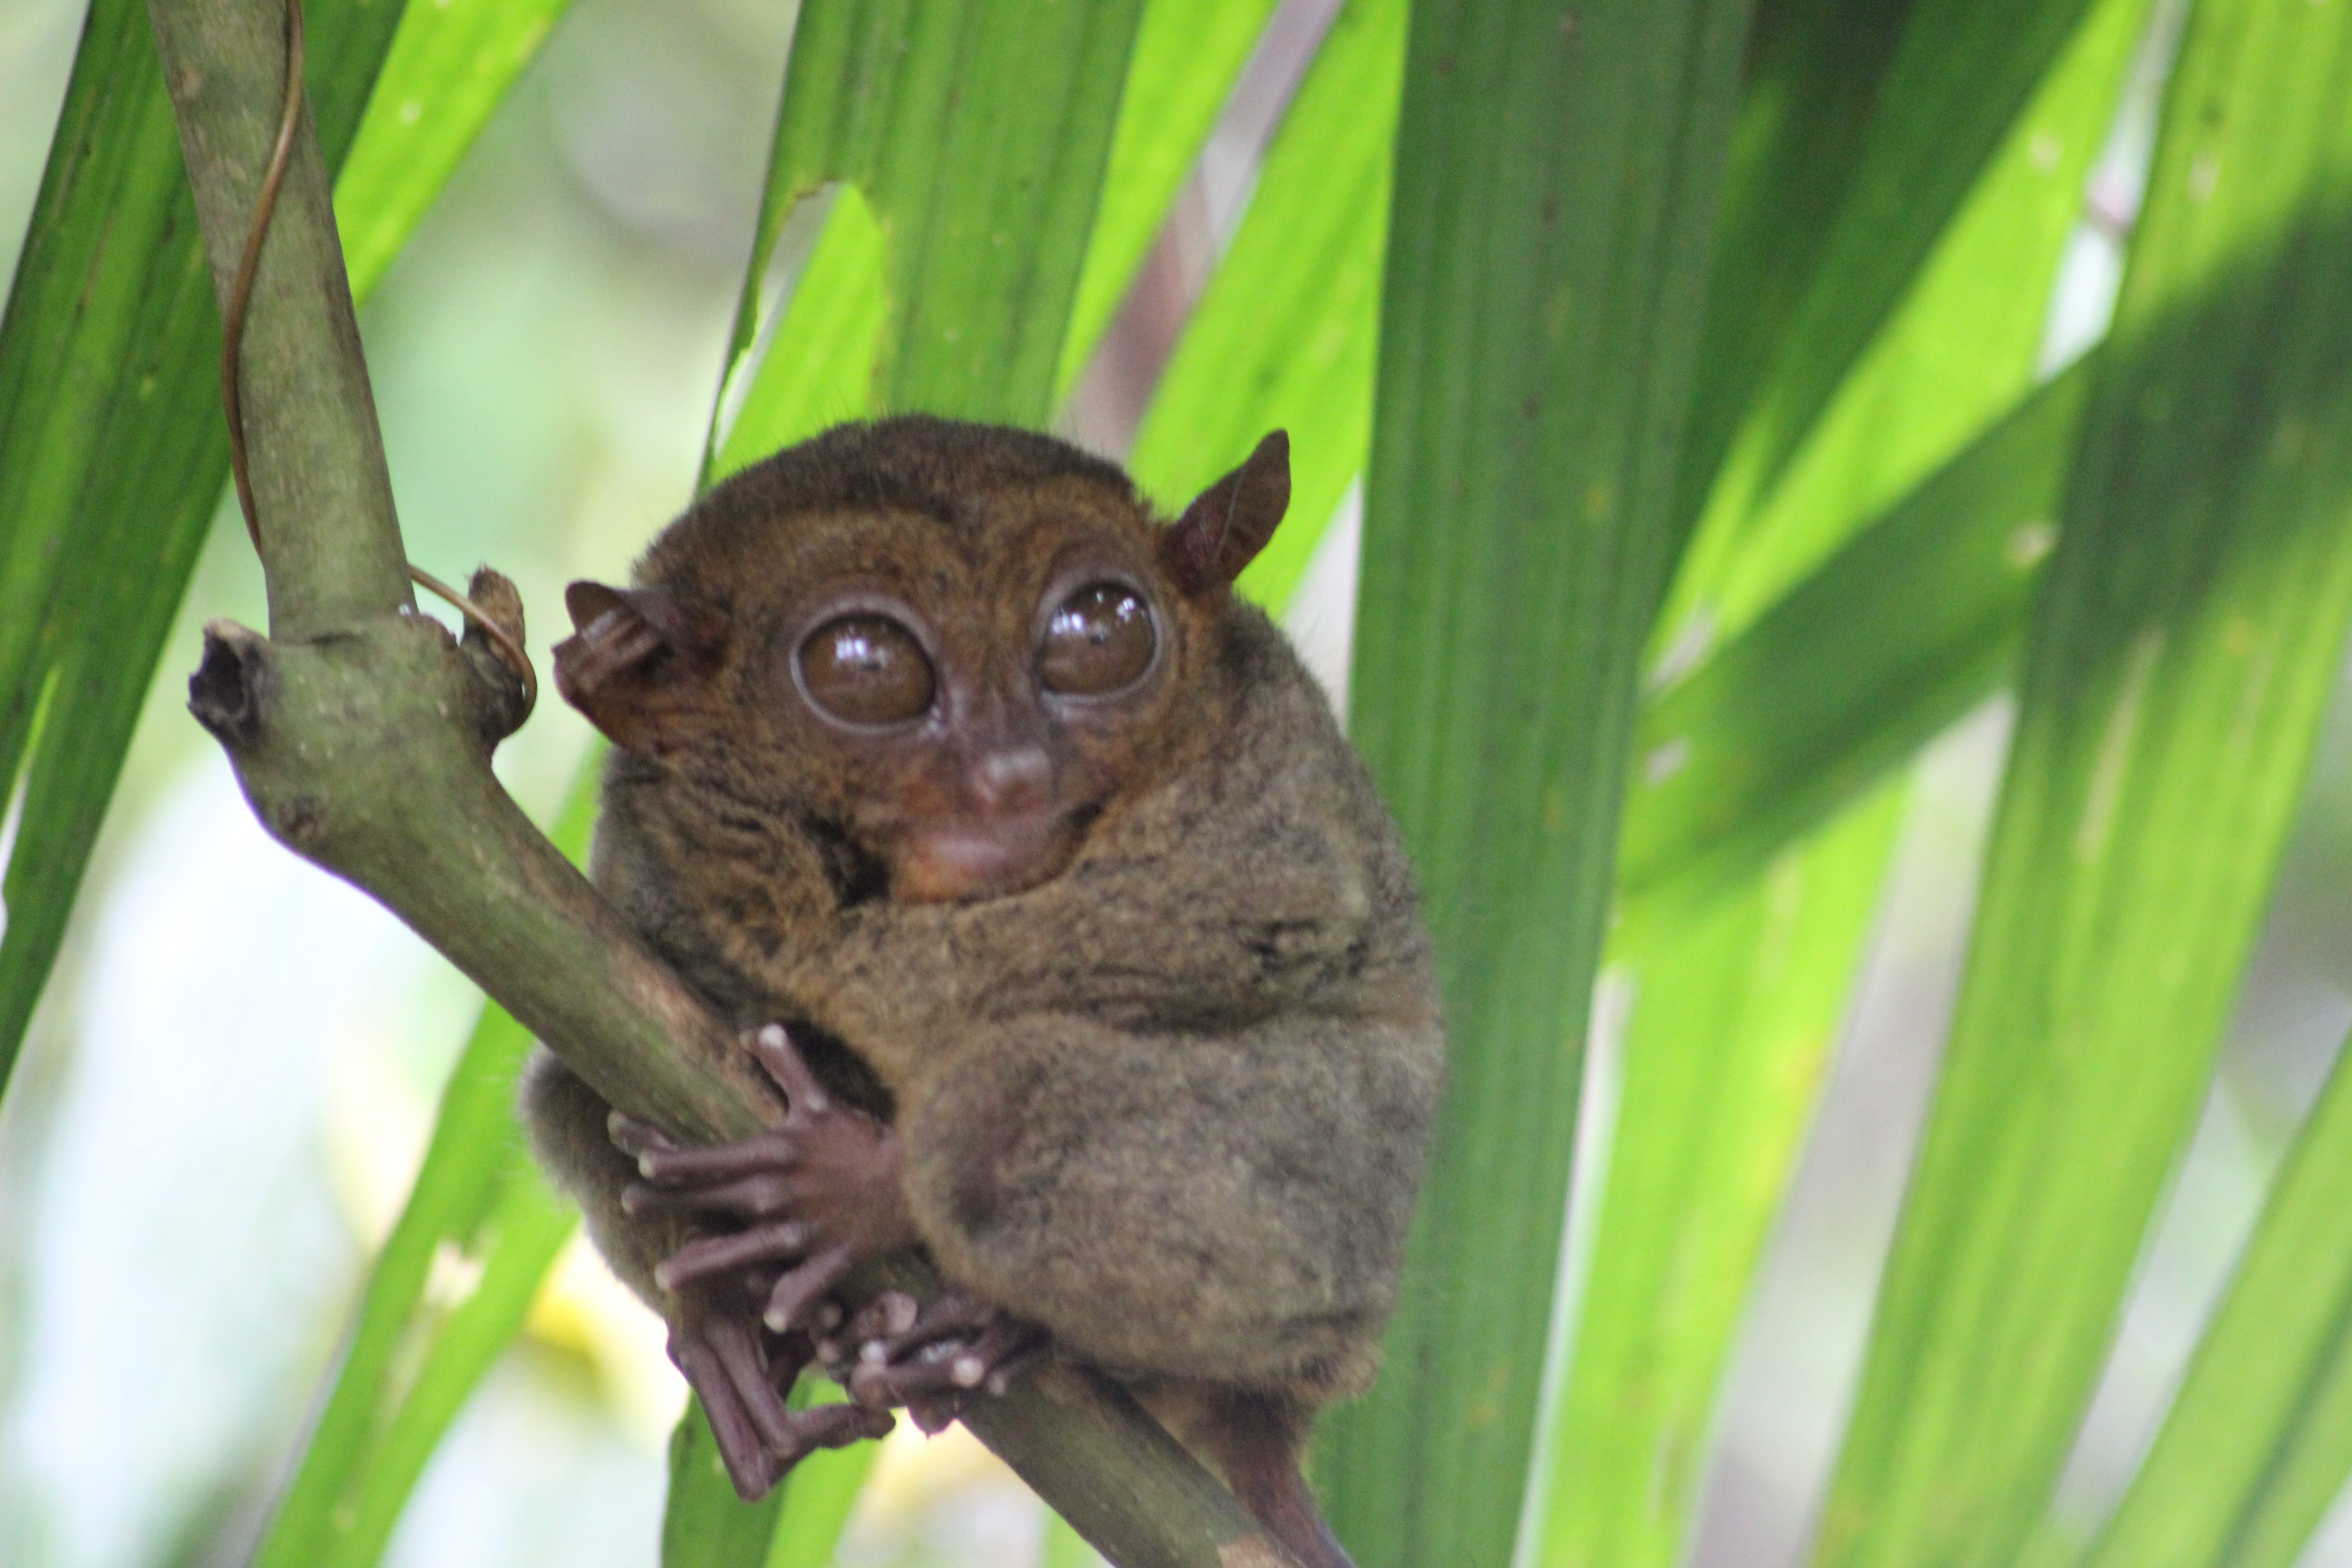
937,748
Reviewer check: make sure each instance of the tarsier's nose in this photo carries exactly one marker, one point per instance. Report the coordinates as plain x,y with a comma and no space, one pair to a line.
1009,780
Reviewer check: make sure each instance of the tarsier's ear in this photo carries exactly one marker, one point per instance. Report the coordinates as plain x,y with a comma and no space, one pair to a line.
638,663
1223,531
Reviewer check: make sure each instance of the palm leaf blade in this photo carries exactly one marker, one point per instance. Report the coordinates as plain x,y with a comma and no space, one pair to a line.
1309,255
2260,1440
2180,653
1553,195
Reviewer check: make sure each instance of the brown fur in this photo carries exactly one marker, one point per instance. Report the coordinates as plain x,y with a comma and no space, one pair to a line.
1171,1101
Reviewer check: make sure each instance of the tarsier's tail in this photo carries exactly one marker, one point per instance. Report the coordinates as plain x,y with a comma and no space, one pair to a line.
1258,1439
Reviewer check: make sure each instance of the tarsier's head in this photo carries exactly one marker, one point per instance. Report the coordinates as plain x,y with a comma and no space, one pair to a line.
952,643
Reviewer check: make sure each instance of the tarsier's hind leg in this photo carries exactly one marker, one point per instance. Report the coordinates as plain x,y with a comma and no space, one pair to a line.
1257,1438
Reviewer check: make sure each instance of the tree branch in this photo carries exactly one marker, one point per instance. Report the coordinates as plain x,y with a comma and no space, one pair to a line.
361,734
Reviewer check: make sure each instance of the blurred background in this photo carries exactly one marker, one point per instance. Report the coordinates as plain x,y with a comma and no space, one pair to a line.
215,1122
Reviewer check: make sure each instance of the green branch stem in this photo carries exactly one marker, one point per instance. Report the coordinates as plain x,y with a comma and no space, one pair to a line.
361,734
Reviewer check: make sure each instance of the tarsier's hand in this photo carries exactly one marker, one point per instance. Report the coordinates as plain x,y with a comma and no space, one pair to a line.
817,1193
933,1359
808,1200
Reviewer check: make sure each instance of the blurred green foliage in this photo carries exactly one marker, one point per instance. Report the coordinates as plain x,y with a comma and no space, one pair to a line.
1690,358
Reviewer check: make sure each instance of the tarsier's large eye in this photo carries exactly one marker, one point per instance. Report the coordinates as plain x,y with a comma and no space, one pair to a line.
1100,640
866,668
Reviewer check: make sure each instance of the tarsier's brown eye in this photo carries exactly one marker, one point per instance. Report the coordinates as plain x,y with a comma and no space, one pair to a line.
1101,639
866,668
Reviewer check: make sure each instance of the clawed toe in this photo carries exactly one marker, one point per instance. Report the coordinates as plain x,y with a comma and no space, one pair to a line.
934,1360
833,1427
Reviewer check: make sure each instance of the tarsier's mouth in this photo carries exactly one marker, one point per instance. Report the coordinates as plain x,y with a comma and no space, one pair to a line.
990,857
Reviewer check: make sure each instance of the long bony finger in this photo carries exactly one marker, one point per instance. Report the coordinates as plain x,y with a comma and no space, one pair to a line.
740,1449
779,1243
775,1052
801,1289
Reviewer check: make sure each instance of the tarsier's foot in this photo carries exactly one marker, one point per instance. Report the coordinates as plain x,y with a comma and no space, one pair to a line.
814,1196
935,1359
742,1377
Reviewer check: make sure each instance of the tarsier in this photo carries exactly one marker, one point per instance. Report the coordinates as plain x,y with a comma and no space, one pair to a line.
1035,872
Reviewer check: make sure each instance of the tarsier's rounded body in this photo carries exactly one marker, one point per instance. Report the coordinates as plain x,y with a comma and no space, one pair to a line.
936,748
